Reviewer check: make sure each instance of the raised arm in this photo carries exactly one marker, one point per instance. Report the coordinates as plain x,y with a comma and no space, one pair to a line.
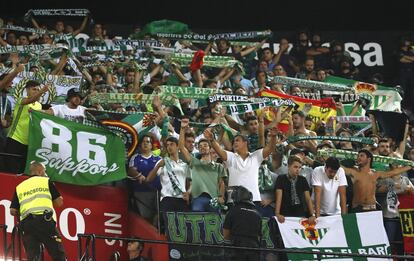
209,135
62,62
270,147
350,171
181,140
401,147
82,27
10,76
28,100
253,48
262,139
394,172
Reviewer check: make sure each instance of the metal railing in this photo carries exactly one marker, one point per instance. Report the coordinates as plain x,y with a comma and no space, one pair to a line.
16,234
4,232
319,255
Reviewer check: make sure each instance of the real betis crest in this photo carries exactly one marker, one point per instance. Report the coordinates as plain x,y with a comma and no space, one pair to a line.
310,233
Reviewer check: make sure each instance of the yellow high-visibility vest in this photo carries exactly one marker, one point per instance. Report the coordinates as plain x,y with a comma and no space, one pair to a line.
34,196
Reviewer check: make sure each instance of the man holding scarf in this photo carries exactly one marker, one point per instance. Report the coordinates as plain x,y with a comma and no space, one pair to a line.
207,175
174,174
18,137
242,165
365,181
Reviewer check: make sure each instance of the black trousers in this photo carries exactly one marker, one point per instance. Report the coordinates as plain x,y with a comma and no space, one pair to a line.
15,164
37,230
244,255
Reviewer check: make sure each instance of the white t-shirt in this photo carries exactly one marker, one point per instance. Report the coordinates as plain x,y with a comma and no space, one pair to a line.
245,172
181,171
330,195
63,111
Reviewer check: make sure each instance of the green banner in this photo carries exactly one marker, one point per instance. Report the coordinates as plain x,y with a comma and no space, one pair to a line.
381,97
133,98
202,228
75,153
187,92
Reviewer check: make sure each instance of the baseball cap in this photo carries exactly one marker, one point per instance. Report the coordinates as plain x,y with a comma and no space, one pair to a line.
73,93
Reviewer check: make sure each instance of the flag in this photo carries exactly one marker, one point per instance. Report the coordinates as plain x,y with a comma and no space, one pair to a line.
164,26
392,124
320,110
406,209
75,153
58,85
382,97
127,125
360,233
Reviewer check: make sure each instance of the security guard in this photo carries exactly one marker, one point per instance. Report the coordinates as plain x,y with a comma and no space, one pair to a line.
243,224
33,201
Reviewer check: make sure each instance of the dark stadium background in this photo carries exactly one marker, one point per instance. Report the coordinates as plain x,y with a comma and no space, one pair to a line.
239,15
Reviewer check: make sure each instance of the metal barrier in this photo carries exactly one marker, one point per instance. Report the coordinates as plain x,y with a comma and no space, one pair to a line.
90,241
12,247
116,256
4,233
16,230
278,250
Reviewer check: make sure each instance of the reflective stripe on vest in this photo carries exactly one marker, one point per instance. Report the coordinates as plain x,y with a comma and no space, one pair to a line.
34,196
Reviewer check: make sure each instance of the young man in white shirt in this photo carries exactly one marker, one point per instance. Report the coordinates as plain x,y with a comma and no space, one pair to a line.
244,166
329,183
72,110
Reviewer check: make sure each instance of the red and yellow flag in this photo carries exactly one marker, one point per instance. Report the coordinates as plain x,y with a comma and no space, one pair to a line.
320,110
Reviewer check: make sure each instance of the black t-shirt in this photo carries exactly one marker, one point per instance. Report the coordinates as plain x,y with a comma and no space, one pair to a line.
286,208
243,220
53,192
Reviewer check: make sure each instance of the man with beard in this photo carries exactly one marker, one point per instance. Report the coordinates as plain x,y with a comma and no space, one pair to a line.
72,110
206,175
365,180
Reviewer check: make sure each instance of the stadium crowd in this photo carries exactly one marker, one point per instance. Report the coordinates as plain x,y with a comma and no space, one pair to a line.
191,161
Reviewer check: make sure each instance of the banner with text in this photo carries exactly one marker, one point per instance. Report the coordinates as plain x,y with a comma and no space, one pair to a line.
201,228
75,153
406,209
360,233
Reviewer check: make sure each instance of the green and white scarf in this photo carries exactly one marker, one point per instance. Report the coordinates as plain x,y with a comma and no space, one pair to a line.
138,43
265,178
25,29
353,119
209,60
133,99
363,140
175,183
211,37
352,155
249,107
55,12
310,84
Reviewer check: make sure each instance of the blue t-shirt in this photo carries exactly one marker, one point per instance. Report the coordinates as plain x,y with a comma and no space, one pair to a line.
145,165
